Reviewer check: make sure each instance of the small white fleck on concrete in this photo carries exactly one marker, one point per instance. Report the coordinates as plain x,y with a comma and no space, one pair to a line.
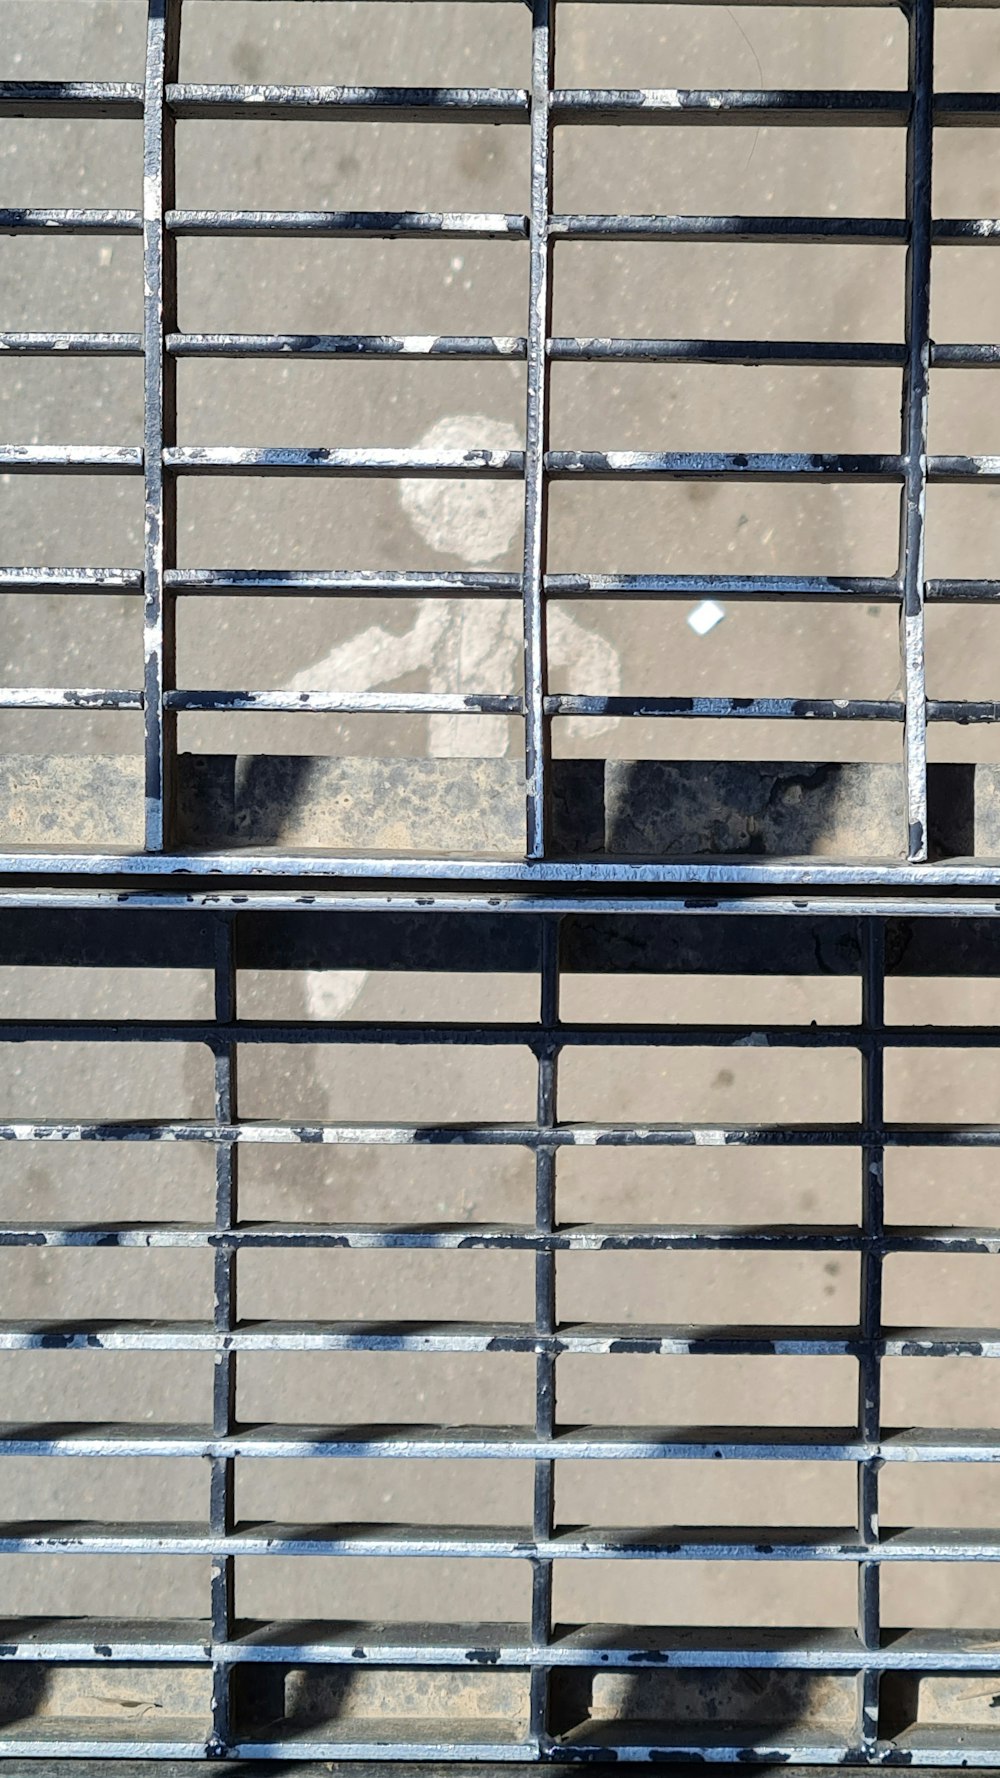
705,616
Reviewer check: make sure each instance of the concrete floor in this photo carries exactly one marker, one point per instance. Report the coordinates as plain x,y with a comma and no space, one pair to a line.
801,292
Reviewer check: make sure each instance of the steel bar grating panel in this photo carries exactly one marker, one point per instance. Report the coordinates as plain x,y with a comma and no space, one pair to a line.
574,1257
540,846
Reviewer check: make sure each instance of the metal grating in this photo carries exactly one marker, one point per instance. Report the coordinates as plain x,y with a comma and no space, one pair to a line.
162,461
869,1690
206,1310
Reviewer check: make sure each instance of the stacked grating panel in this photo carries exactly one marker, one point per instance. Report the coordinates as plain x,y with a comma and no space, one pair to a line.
389,1252
316,1679
900,848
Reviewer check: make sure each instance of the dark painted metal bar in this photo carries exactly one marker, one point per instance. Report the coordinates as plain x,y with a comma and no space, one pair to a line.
470,225
629,1338
391,225
747,107
51,697
222,1485
465,348
966,231
577,465
160,420
964,357
872,939
962,710
735,466
70,459
388,583
71,345
581,1238
70,98
537,734
574,465
970,231
961,469
475,347
754,709
916,379
404,583
355,104
347,582
546,1319
858,353
489,1033
962,592
320,460
33,220
384,702
861,588
70,580
890,230
493,105
501,1134
452,584
575,1035
813,108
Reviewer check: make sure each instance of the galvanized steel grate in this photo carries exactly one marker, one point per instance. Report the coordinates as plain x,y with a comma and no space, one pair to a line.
865,1685
162,462
866,1690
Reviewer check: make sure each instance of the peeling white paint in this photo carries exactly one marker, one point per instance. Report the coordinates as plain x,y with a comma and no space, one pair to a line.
331,994
475,644
471,519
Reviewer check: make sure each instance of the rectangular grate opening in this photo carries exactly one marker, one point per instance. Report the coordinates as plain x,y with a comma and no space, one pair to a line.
690,46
